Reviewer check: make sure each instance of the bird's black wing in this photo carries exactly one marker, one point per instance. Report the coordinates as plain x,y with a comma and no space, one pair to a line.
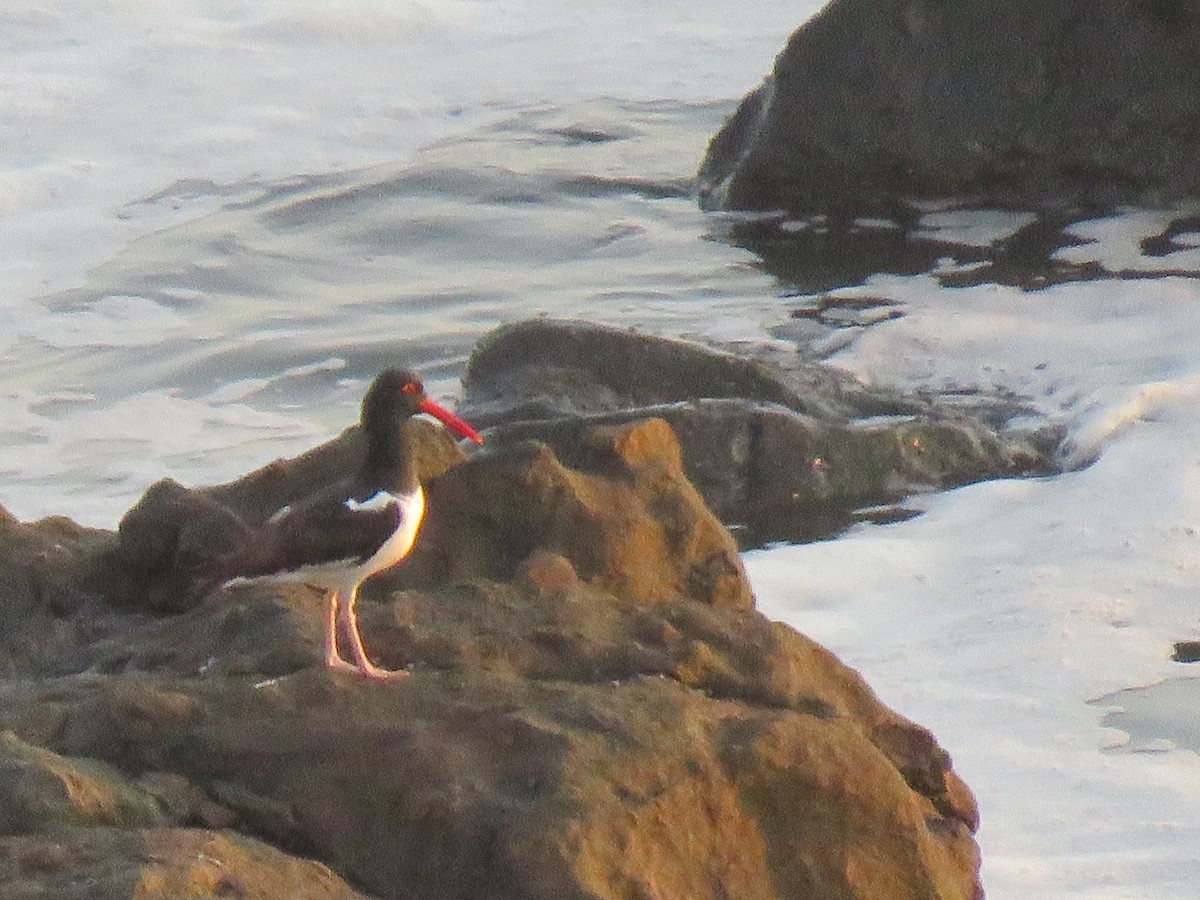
324,530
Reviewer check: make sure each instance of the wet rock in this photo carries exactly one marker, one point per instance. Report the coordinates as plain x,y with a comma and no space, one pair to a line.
1186,651
782,448
1035,104
548,368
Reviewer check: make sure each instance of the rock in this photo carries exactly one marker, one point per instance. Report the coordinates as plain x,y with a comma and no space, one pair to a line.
42,791
167,539
629,521
1186,651
625,519
521,770
158,864
595,710
1032,104
46,565
231,632
783,449
49,581
548,368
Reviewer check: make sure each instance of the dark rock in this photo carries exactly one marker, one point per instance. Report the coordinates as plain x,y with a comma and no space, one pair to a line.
781,475
169,537
1031,103
546,368
46,565
1186,651
785,449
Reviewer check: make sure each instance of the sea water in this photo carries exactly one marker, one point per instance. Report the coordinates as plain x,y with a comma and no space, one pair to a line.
220,218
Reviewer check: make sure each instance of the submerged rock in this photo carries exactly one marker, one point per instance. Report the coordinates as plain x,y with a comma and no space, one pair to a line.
595,710
1034,103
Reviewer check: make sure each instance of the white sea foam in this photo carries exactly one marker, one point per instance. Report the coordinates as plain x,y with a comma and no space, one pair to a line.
1116,241
997,615
1075,350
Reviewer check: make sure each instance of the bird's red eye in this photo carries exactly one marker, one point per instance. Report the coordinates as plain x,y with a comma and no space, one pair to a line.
411,388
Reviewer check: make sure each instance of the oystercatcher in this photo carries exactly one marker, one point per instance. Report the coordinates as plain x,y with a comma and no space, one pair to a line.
340,536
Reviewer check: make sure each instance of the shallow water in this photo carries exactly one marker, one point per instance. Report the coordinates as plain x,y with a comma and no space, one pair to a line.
1150,719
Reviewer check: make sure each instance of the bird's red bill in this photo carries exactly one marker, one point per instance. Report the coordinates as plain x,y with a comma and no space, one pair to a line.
450,420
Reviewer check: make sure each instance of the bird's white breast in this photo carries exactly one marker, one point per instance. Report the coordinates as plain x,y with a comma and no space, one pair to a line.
395,548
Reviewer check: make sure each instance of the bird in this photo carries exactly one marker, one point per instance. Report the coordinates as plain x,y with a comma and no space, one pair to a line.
339,536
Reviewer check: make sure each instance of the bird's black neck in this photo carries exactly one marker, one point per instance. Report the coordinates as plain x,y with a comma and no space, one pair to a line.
388,464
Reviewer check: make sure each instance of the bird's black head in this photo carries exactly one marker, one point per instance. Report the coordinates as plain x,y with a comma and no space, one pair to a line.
397,394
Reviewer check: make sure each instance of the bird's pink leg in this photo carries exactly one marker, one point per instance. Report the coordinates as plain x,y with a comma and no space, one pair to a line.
333,659
349,618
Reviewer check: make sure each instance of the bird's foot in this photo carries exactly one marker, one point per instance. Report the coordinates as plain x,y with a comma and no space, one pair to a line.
366,670
337,664
377,674
342,610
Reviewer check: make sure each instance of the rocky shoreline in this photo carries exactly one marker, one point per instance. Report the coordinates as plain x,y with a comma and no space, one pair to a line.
596,710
